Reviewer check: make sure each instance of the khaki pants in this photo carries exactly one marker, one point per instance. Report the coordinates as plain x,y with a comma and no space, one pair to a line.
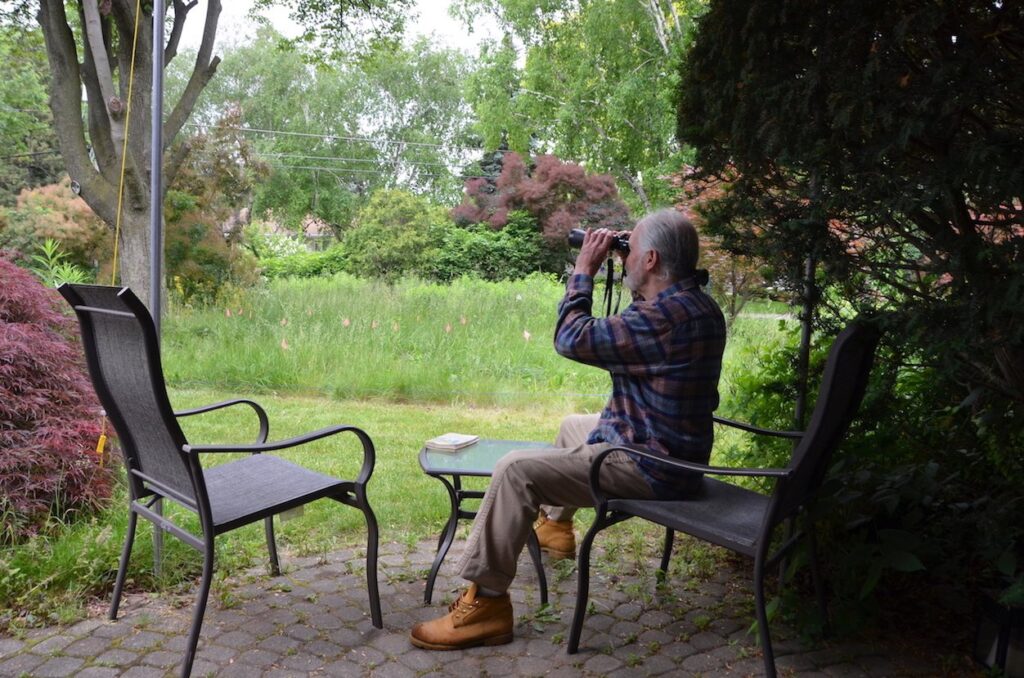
524,481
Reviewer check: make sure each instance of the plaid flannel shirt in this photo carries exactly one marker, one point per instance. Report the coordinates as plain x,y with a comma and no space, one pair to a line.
664,357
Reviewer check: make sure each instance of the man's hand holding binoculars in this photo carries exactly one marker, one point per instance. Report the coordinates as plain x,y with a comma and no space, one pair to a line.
595,248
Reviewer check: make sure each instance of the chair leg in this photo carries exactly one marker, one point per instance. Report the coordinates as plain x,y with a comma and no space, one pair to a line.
197,616
819,583
371,562
268,527
762,618
583,582
666,553
122,568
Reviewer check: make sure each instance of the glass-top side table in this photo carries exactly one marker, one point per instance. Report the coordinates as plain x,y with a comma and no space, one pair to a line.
476,460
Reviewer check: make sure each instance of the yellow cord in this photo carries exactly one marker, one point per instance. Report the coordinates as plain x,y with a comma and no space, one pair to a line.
124,146
101,443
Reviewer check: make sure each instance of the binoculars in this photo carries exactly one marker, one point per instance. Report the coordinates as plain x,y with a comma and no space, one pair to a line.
620,243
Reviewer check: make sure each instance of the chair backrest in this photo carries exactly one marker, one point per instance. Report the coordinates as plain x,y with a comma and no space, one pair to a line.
123,356
842,388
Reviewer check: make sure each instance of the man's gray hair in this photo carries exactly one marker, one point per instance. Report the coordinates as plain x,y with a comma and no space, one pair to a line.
674,238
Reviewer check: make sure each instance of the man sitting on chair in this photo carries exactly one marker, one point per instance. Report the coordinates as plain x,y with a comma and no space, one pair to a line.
664,355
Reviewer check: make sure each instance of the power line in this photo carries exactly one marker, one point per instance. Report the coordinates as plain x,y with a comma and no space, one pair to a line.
376,161
339,137
345,170
29,155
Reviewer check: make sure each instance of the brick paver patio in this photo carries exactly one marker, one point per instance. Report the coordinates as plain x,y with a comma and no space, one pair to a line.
312,621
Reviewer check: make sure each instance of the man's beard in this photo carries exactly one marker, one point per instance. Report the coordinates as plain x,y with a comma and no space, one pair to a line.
633,283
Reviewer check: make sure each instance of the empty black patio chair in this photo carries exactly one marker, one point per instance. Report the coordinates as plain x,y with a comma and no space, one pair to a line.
739,519
124,362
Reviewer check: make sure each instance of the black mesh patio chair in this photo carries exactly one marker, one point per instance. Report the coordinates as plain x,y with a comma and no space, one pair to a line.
124,362
739,519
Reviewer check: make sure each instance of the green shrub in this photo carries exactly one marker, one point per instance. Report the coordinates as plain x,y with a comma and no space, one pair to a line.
511,253
200,262
909,501
305,264
393,235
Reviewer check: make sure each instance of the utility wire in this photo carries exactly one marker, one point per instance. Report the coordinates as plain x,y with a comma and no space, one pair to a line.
337,137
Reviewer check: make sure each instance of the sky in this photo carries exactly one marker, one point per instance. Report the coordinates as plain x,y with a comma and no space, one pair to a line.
433,20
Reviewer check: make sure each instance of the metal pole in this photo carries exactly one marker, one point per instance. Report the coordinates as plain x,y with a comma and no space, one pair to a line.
156,236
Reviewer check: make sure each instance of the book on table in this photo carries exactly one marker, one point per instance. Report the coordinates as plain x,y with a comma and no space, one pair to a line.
452,441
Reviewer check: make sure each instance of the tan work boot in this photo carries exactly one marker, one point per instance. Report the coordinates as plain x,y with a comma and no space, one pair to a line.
556,538
472,620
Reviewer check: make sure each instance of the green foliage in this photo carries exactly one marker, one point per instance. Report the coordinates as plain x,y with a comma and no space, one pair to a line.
53,268
513,252
30,154
886,140
305,264
54,212
199,261
392,236
595,85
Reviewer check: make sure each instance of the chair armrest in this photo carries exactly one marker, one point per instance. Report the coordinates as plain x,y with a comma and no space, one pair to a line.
756,429
369,455
261,414
595,468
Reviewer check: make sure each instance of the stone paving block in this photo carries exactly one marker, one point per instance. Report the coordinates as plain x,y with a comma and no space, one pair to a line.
344,669
366,656
20,664
657,665
278,672
52,644
98,672
162,658
392,671
258,658
322,648
147,672
700,662
279,644
544,647
116,657
235,639
421,661
602,663
89,646
9,646
58,667
219,654
143,640
706,641
113,629
495,665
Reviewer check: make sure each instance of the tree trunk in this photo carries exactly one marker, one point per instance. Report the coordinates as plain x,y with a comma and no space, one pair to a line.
93,157
134,249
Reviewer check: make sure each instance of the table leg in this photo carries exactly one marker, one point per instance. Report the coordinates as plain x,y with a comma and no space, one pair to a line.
444,541
534,547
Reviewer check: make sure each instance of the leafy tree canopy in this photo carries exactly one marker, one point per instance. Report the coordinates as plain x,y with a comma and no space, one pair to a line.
595,83
334,133
29,157
886,139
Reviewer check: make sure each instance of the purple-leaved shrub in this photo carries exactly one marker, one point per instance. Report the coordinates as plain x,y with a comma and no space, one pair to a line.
49,415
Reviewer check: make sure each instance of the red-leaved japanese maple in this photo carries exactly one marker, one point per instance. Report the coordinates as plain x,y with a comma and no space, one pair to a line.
49,415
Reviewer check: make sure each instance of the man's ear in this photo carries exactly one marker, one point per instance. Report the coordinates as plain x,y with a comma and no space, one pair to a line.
652,260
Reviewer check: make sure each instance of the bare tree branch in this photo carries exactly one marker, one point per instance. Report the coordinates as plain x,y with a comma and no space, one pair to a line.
65,96
112,103
202,73
181,10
